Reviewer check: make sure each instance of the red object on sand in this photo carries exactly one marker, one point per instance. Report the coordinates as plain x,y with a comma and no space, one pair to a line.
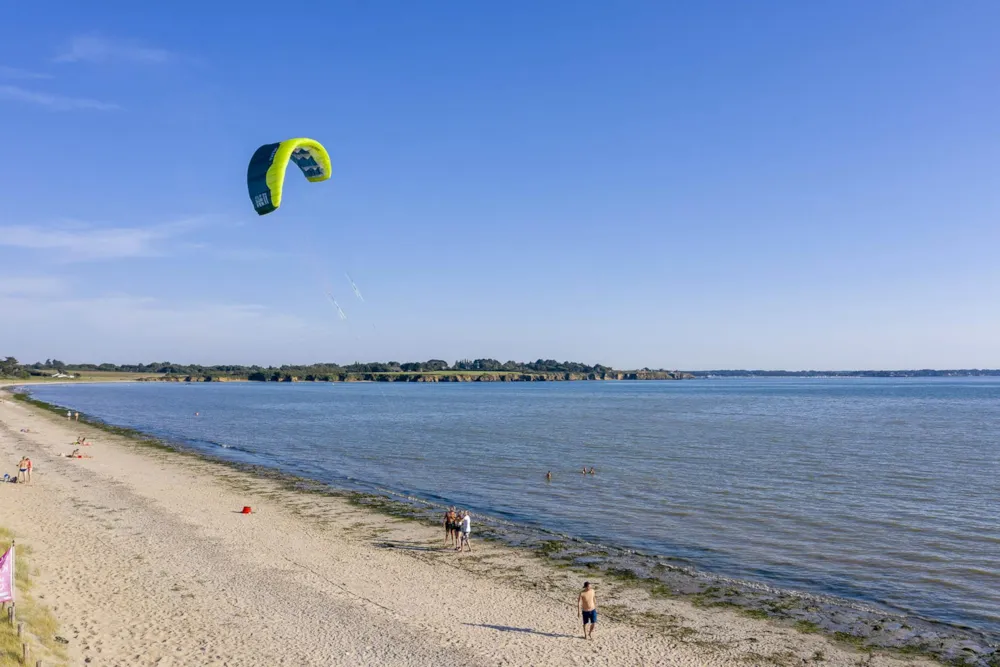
246,509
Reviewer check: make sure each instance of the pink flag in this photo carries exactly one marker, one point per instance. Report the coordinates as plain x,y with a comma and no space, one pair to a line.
7,575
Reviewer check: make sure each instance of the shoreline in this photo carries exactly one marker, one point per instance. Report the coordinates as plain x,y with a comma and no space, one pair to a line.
650,579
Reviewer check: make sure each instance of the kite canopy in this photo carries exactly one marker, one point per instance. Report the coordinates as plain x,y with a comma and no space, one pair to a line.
266,172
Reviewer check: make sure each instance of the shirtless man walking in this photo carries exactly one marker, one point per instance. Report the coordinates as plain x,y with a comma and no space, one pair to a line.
451,527
587,606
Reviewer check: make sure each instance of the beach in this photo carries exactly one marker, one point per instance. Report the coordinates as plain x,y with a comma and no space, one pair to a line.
144,558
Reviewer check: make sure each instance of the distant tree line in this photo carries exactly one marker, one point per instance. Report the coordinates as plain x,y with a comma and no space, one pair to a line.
11,368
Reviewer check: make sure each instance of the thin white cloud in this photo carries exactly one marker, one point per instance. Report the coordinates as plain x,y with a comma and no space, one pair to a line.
95,49
18,73
31,286
74,241
54,102
126,327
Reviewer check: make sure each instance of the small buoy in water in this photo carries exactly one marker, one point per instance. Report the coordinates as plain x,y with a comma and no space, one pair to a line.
246,509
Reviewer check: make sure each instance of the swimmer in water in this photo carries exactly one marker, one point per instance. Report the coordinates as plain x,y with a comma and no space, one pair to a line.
593,471
548,476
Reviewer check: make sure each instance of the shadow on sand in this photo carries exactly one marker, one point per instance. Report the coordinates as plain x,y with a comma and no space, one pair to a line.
507,628
407,546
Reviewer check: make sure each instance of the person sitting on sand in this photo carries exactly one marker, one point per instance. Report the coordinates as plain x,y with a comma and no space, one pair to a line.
77,455
586,604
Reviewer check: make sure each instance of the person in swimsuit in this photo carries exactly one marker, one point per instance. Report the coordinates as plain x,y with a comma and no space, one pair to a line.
22,470
449,526
455,526
548,476
28,461
586,604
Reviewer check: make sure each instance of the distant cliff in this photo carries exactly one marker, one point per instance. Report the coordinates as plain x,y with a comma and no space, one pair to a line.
429,377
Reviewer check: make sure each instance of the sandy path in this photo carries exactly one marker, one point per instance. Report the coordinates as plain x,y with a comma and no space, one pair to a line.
146,561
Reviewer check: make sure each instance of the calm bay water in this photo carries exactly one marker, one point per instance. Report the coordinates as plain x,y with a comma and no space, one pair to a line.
878,490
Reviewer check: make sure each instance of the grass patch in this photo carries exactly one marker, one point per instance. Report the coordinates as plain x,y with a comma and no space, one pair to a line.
755,613
40,626
88,376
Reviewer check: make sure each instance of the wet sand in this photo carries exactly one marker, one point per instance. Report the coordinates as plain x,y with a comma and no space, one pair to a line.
144,558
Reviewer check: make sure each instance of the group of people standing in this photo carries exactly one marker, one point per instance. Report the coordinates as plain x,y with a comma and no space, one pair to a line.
457,526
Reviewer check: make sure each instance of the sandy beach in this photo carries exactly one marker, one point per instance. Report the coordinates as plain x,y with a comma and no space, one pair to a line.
144,558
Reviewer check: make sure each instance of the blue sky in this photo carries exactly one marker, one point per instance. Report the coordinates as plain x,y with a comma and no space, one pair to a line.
681,185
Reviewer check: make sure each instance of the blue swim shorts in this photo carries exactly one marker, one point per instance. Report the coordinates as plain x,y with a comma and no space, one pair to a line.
590,616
